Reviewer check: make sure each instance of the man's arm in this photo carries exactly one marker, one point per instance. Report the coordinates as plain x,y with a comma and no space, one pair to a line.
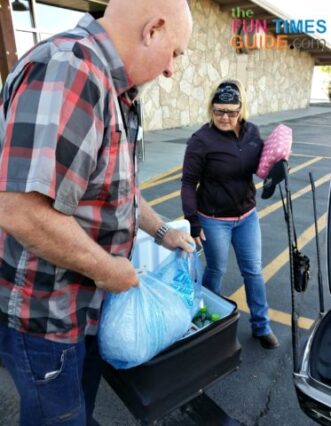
59,239
150,222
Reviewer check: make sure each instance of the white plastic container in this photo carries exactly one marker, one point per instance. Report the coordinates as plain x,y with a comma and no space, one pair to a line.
182,371
147,256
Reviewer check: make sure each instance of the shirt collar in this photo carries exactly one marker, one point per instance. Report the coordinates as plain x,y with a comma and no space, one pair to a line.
111,56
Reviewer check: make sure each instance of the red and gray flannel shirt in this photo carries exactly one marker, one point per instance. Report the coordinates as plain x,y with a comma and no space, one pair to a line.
67,130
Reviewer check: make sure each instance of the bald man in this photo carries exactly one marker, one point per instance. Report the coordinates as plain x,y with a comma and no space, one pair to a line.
70,204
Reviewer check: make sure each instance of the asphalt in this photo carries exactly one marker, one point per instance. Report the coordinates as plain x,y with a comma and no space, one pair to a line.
261,393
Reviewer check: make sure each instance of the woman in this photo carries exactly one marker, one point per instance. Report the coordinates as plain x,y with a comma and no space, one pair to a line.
218,197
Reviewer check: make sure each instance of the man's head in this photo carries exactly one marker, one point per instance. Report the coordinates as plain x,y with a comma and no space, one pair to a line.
148,34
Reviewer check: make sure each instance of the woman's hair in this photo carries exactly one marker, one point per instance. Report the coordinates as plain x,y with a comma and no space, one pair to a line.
243,115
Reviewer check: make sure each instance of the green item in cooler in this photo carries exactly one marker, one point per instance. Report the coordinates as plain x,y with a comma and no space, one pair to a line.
203,309
204,318
215,317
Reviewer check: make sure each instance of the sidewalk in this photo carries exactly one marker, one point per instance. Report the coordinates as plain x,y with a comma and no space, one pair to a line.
164,149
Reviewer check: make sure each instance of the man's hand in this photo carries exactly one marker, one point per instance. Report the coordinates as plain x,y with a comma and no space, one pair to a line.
175,238
150,222
121,277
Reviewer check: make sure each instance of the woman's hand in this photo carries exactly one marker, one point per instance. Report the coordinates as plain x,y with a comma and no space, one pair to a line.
198,240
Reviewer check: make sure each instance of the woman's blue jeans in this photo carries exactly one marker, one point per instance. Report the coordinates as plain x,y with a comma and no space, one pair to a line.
57,382
245,236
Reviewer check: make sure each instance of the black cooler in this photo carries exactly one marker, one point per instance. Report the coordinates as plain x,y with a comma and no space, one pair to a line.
181,372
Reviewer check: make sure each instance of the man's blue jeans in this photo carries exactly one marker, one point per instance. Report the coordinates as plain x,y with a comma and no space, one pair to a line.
57,382
245,236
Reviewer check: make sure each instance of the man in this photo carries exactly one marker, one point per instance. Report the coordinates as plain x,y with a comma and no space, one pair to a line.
69,199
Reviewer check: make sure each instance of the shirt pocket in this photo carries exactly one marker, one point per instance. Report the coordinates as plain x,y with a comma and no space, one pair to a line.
113,177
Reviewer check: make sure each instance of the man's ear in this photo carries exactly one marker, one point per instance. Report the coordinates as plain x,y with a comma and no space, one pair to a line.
153,28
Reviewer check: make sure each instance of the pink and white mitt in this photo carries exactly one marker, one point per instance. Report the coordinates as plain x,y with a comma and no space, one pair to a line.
276,147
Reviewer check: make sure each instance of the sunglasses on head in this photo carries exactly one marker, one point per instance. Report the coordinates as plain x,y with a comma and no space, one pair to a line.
230,113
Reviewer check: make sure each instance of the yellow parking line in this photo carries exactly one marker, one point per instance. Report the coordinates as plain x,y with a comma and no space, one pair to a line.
164,198
312,143
309,156
160,181
160,176
305,164
175,194
275,206
278,204
285,319
296,168
272,268
314,125
165,177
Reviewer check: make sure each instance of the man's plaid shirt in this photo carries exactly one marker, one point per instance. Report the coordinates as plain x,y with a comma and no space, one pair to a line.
68,131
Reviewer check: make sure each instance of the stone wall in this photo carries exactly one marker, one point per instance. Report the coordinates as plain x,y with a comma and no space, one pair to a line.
275,79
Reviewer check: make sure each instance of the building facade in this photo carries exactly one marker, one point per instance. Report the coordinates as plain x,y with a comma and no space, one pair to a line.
277,78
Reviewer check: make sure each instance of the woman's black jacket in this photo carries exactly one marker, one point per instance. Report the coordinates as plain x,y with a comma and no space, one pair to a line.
218,173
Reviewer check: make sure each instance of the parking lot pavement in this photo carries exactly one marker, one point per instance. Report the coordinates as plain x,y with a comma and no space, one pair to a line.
263,384
261,392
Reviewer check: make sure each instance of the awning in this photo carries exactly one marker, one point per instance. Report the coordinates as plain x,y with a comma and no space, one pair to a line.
315,45
81,5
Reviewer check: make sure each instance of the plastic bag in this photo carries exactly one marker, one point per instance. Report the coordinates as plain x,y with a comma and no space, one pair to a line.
180,270
137,324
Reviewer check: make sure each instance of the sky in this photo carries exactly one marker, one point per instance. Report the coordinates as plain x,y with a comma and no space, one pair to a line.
306,9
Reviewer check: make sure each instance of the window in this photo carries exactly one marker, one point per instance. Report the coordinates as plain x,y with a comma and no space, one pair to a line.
34,22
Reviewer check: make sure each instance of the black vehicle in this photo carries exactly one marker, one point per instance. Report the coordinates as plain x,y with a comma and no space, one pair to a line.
312,376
